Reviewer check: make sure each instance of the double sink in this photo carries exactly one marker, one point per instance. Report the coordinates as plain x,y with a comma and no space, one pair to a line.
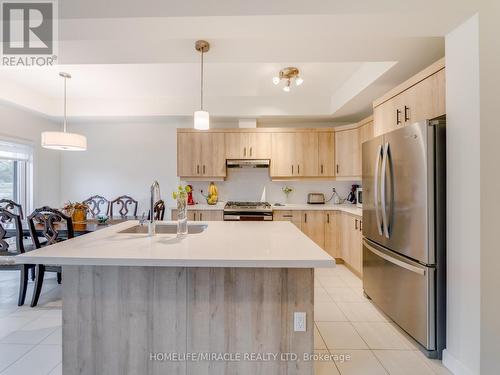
164,229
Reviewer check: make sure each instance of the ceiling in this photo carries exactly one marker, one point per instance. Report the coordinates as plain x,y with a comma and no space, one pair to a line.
132,58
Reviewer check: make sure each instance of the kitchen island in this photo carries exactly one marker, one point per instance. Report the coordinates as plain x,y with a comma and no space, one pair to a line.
221,301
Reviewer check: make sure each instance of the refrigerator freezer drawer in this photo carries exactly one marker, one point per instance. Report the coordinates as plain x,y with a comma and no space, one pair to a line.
403,289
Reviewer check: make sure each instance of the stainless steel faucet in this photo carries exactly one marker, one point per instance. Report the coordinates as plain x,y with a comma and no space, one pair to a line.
155,189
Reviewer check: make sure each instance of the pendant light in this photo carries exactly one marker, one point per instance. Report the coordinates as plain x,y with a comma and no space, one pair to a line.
201,117
64,141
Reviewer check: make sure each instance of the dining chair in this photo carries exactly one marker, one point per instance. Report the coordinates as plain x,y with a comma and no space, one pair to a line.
50,220
11,247
159,210
125,206
97,204
12,206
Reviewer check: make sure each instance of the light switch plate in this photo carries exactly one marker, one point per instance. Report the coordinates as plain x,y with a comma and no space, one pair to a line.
299,321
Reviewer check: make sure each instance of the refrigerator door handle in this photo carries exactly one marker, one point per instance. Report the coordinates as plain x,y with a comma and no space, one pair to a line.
382,188
397,262
376,190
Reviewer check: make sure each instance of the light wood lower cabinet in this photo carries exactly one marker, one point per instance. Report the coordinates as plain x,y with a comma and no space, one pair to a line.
350,241
313,225
201,215
294,217
332,233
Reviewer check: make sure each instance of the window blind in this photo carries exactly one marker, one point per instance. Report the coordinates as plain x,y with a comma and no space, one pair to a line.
15,151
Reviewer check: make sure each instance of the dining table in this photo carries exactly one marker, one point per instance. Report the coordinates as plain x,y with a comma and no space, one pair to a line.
79,228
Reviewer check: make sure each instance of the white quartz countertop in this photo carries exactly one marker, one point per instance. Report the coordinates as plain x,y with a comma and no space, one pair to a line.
346,207
221,244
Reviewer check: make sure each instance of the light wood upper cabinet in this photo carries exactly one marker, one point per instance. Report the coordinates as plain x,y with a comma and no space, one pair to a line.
245,145
365,134
236,144
259,145
332,233
294,217
201,155
313,225
347,153
283,155
326,154
426,99
306,157
420,98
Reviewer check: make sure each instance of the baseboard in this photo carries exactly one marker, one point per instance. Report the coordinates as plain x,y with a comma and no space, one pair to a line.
454,365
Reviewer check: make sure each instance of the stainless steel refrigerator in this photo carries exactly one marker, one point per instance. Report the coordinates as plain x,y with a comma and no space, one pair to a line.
404,229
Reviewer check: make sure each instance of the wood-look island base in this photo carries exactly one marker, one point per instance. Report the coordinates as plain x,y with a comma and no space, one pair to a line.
120,320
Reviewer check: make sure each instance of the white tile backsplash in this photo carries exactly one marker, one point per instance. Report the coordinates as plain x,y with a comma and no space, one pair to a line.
254,184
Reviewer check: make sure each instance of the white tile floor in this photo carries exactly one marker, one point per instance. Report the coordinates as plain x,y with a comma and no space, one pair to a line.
347,325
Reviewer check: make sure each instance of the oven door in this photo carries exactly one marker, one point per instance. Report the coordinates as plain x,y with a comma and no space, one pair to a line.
247,216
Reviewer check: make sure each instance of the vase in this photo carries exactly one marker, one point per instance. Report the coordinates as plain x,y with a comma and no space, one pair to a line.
79,215
182,225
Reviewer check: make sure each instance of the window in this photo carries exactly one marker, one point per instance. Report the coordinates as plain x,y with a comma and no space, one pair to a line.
15,173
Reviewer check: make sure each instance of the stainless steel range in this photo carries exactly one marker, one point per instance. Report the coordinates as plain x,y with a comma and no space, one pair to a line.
248,211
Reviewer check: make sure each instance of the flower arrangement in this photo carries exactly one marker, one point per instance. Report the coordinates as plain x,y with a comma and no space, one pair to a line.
287,190
182,192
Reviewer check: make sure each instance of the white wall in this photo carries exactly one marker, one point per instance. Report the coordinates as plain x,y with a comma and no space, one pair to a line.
489,59
18,123
122,158
463,176
125,157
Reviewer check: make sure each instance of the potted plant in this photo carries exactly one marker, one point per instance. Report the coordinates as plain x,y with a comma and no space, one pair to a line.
77,211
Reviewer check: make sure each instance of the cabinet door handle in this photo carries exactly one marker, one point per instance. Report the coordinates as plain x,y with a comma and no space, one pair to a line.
407,118
198,169
321,168
244,151
203,168
361,225
305,218
328,218
201,216
250,151
356,224
289,216
194,216
398,121
337,169
298,168
292,168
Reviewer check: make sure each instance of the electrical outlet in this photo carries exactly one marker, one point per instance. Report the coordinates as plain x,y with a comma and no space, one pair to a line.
299,321
333,190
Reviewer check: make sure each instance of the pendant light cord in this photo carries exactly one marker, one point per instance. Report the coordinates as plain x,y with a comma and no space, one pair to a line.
65,104
201,100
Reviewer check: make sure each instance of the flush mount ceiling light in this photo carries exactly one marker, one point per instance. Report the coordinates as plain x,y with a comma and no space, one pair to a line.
288,75
201,117
64,141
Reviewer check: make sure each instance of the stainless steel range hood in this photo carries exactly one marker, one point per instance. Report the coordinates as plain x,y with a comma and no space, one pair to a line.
247,163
